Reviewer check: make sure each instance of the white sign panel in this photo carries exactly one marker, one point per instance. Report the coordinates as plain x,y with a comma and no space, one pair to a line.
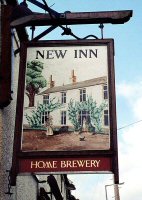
66,101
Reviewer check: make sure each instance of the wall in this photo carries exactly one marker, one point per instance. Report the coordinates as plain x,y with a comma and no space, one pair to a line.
7,134
26,188
7,124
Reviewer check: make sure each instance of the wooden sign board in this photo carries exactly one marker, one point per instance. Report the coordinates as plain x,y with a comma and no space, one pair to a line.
66,116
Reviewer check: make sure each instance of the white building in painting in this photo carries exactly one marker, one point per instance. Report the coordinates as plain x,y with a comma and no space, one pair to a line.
79,92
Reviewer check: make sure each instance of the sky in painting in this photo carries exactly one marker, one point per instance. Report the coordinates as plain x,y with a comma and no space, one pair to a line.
128,74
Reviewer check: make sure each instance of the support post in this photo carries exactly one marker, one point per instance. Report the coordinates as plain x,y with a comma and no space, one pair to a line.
116,192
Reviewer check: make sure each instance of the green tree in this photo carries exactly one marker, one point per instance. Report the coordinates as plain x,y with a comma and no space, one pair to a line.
74,107
73,114
34,80
35,120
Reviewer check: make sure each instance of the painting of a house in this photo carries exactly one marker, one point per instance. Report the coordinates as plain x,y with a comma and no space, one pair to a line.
78,92
74,104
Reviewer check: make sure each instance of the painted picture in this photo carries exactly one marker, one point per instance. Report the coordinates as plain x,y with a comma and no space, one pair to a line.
66,101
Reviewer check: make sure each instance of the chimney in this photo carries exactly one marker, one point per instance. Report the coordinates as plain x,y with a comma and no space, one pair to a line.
52,83
73,77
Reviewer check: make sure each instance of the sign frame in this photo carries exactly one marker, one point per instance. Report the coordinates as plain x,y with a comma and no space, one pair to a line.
19,156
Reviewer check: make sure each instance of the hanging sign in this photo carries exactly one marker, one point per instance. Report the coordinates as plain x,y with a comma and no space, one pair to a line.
66,118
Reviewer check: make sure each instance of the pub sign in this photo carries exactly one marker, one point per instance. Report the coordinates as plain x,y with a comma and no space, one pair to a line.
66,117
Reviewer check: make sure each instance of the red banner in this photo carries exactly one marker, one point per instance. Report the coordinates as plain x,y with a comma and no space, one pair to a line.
65,165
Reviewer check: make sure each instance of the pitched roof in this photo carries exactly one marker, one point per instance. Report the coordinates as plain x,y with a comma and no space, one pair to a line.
77,85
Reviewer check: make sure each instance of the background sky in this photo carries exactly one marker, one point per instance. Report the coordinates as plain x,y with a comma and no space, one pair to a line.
128,73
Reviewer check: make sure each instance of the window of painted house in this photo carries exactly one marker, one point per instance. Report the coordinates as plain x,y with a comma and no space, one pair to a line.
46,99
63,97
63,117
44,117
106,118
82,95
105,92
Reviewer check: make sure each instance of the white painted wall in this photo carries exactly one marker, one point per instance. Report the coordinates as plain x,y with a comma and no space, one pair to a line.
25,187
95,91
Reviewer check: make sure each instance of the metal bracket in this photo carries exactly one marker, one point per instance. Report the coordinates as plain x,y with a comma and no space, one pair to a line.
37,180
101,26
53,14
44,33
54,18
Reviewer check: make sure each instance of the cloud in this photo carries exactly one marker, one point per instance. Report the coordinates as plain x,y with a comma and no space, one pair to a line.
130,146
129,91
130,143
129,99
137,108
126,90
